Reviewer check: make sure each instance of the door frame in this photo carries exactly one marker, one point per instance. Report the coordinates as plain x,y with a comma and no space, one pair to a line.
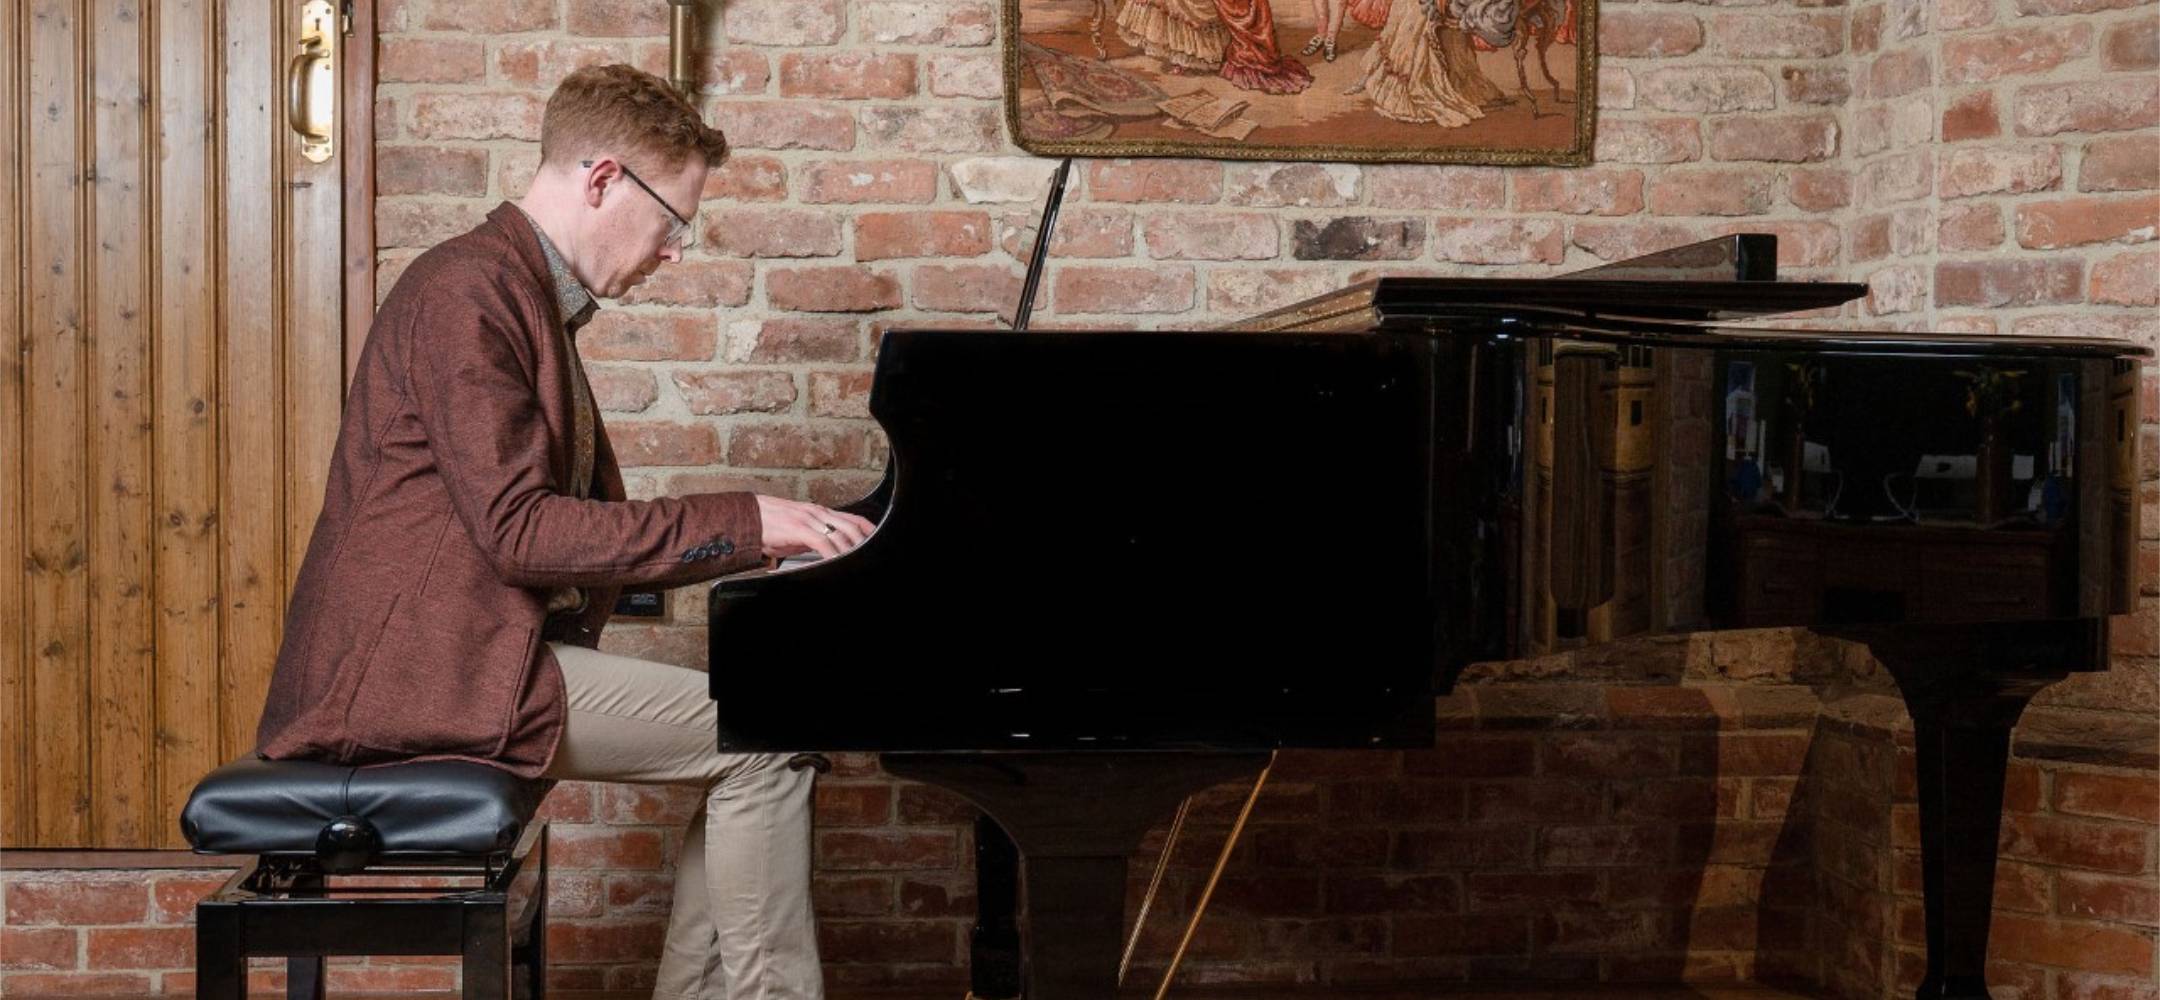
357,134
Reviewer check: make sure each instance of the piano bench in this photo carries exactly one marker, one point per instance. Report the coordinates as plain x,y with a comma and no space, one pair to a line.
427,858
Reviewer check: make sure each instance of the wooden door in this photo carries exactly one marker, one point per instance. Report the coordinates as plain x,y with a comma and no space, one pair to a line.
168,399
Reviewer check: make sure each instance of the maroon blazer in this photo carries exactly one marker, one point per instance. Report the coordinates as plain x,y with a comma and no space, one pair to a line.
415,624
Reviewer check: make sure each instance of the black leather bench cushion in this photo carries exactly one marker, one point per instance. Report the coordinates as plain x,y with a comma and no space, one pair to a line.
255,806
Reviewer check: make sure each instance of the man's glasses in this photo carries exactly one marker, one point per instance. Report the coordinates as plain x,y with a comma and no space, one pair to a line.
681,235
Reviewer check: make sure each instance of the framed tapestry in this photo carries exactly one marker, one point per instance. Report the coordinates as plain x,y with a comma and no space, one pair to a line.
1373,81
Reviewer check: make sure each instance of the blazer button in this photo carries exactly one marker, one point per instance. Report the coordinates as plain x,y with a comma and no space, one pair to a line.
691,556
727,548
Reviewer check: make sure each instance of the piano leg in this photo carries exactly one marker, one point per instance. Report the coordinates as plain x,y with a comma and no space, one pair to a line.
994,941
1965,687
1076,817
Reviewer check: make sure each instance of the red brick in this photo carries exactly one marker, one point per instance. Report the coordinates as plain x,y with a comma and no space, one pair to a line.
793,340
793,446
1436,188
705,283
747,178
2133,45
616,19
1971,227
1992,170
1082,232
2051,7
75,902
1708,89
967,76
68,984
1972,116
1499,241
890,941
1245,292
476,116
865,850
2131,279
1712,192
22,948
2018,51
139,948
1211,236
622,335
772,232
401,170
1817,84
852,896
1896,74
1608,755
707,393
840,394
1621,240
784,125
914,22
1124,289
853,804
490,17
569,802
1867,29
2121,163
173,899
541,65
2072,985
1279,185
1445,935
571,942
2018,282
1778,36
1631,33
2071,944
2115,900
2134,796
2075,843
401,222
2107,105
871,180
965,287
660,443
1656,140
784,22
1532,891
1795,139
887,235
847,75
1181,181
1580,192
831,289
936,128
1819,190
393,979
404,59
2074,222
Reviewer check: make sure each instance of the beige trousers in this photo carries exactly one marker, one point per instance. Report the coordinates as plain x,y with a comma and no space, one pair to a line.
742,927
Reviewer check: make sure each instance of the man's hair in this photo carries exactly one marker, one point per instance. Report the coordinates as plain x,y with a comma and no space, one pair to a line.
624,111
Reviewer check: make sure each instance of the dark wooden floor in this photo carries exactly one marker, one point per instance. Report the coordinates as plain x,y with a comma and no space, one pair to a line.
1230,993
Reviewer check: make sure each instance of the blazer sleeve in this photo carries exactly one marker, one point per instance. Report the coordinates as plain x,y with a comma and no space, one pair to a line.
484,424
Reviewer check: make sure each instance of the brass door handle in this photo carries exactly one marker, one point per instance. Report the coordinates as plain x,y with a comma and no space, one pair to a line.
311,81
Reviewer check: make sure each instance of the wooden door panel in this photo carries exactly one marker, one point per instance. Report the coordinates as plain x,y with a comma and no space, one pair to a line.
167,406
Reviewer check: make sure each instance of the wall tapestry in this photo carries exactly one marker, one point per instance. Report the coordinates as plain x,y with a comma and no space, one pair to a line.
1419,81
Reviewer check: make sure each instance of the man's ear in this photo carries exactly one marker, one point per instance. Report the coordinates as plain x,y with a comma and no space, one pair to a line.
603,174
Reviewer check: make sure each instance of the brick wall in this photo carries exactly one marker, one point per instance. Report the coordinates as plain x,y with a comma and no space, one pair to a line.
1710,809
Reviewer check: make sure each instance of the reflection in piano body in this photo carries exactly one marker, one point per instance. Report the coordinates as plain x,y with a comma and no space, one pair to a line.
1298,532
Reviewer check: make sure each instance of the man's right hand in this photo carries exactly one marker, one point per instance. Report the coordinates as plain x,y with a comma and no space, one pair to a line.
793,527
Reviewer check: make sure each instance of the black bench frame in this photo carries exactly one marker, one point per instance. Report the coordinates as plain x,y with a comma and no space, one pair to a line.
277,905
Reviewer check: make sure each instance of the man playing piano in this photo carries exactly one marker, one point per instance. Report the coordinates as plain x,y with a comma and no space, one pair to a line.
475,535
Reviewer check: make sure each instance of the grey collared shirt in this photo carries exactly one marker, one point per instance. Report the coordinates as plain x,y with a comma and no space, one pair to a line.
577,306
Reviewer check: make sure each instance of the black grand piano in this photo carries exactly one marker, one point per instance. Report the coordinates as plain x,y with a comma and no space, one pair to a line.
1114,567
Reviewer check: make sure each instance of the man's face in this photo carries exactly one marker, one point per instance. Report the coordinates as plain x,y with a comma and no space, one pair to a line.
631,227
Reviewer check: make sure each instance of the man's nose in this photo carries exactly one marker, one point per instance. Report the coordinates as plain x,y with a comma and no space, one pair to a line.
671,253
